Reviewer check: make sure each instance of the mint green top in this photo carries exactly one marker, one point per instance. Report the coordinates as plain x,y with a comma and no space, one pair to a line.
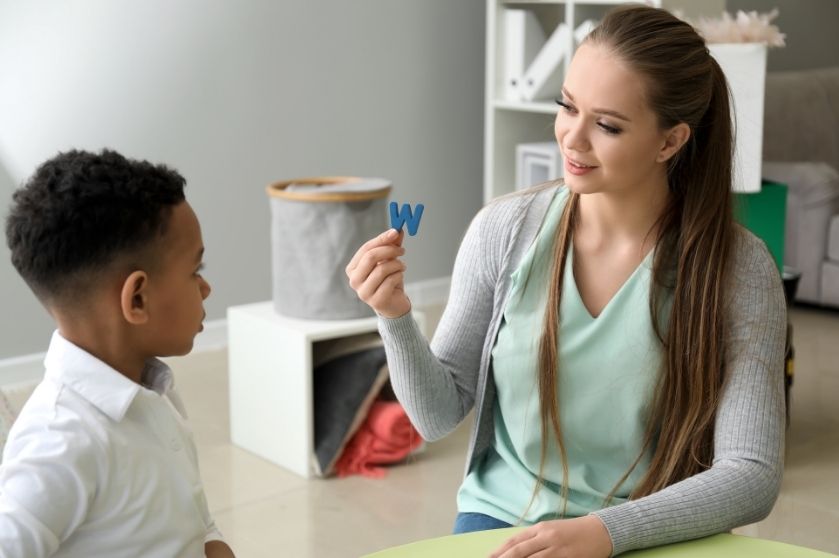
608,366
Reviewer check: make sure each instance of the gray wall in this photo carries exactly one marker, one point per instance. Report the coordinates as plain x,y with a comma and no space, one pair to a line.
238,94
811,29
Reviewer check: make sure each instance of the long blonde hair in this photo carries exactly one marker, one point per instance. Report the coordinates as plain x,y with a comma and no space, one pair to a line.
692,255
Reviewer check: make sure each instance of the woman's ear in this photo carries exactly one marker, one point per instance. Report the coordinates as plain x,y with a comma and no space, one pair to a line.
134,298
674,139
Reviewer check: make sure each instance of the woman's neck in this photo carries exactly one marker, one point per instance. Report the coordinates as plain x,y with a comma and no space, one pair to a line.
610,219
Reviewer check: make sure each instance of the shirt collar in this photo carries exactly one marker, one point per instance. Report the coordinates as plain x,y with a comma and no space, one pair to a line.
96,382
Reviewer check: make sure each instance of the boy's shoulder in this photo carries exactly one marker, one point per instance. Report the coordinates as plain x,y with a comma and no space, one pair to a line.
54,418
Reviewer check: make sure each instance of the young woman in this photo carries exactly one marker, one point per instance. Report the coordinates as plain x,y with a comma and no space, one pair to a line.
619,337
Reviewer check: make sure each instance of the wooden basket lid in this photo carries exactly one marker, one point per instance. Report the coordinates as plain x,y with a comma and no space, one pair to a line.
330,189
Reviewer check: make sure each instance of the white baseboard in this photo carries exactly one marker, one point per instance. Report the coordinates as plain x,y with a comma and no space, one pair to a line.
21,369
25,368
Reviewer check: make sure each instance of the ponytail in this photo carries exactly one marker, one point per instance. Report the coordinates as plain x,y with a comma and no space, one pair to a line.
692,255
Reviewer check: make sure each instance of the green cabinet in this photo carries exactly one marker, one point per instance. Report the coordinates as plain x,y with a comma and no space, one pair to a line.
764,213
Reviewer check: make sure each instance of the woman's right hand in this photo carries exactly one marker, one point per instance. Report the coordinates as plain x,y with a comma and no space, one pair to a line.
377,274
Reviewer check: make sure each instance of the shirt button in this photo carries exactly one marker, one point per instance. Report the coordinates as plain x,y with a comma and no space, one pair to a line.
175,444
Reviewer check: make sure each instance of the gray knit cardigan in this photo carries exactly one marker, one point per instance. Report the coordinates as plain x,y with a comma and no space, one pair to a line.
439,384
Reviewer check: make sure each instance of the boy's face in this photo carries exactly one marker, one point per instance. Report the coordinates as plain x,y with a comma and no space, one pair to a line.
176,288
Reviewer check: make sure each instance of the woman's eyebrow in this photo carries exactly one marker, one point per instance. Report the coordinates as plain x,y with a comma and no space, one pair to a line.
608,112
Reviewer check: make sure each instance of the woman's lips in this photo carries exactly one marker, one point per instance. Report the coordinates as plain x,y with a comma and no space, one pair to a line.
576,168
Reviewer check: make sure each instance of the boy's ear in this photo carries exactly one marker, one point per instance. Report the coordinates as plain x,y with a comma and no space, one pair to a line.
134,298
674,139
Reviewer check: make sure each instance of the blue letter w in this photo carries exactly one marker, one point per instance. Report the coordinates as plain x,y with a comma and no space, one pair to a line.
400,217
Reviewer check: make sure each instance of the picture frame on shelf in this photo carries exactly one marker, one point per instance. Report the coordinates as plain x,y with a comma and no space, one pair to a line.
537,163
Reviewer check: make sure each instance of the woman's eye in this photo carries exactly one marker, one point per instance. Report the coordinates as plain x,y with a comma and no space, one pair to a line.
609,129
603,126
565,106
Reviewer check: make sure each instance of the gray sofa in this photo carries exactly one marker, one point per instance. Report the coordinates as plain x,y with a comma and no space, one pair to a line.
801,150
12,398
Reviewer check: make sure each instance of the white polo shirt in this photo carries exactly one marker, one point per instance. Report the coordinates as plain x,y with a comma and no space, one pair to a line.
97,465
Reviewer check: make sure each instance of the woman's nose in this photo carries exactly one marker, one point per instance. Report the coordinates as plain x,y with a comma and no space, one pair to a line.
575,137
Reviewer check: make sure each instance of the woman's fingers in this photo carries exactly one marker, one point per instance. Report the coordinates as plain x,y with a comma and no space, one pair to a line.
370,261
367,289
516,543
385,293
378,276
388,238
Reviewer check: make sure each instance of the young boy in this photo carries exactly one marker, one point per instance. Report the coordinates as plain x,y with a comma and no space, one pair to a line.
100,461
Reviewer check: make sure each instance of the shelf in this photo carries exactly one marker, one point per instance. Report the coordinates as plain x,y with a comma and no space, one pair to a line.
575,2
542,107
520,2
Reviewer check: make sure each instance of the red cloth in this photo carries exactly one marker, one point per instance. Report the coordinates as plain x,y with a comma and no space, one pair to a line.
386,436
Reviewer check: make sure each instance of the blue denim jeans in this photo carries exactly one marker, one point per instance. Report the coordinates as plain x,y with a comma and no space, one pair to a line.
469,522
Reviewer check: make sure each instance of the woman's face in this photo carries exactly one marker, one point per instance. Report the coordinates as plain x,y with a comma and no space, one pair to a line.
608,135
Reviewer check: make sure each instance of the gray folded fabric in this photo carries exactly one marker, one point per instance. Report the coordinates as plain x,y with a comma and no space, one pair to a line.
833,239
344,388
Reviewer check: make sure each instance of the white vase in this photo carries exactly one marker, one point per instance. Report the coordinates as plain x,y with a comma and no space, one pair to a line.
744,65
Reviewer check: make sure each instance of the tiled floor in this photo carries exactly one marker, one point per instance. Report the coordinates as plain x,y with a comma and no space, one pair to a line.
266,512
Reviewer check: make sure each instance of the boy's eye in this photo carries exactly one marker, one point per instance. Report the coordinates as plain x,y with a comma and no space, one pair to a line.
199,269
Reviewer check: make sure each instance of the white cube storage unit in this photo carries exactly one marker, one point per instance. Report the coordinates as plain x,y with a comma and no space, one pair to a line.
270,367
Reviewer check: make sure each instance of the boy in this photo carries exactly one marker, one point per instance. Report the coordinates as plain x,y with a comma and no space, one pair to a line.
100,461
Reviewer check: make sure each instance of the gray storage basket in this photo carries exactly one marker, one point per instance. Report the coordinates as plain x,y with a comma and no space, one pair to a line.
317,224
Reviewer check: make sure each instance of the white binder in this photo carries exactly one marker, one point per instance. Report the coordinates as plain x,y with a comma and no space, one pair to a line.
543,78
583,30
523,37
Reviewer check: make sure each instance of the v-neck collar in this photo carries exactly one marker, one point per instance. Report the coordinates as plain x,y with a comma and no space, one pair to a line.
570,286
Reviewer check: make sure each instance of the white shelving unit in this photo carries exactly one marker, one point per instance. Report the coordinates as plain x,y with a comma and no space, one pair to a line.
508,123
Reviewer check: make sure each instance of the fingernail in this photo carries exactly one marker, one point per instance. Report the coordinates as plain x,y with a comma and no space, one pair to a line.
391,234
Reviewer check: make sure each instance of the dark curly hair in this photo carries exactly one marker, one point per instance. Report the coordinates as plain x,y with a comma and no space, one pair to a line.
80,212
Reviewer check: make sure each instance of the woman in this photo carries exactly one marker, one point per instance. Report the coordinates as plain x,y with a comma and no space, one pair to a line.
620,338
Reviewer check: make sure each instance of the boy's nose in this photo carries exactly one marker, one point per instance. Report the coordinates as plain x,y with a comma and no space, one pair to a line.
205,289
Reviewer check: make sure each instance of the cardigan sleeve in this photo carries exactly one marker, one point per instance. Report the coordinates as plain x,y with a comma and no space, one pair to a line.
743,482
436,383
